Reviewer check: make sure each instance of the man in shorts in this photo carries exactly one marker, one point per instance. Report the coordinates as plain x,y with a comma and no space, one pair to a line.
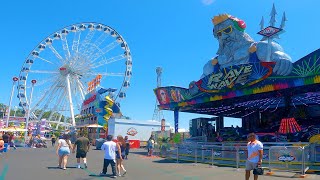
83,144
254,154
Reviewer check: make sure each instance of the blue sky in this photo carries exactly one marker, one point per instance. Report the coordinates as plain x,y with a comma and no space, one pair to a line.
173,34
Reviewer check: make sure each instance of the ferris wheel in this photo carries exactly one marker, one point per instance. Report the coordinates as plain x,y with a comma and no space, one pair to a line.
65,62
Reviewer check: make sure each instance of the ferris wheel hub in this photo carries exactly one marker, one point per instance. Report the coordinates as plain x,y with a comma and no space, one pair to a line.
65,70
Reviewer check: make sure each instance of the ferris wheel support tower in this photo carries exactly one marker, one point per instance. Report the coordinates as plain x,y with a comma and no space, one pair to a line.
157,113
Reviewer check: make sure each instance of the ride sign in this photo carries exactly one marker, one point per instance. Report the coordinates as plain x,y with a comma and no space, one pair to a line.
269,31
235,77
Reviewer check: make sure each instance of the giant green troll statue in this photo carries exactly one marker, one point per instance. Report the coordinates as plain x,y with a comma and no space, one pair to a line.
237,47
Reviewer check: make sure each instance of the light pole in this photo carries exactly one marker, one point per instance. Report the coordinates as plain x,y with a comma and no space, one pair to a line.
15,79
29,108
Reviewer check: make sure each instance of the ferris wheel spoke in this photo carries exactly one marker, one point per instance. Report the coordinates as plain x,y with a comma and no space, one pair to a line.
101,39
76,40
65,46
46,105
86,41
107,74
44,72
44,81
52,88
46,98
55,52
96,44
105,50
81,89
107,61
56,105
45,60
78,91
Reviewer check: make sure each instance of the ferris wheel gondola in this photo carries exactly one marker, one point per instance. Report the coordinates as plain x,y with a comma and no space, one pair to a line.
65,61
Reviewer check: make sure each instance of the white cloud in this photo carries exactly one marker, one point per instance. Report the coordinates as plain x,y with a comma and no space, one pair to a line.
207,2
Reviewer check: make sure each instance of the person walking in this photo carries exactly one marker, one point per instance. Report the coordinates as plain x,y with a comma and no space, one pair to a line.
53,140
6,138
109,148
11,141
2,149
127,146
150,145
120,154
254,155
63,150
83,145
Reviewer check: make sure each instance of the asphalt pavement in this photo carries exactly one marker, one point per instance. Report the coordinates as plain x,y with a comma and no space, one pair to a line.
41,164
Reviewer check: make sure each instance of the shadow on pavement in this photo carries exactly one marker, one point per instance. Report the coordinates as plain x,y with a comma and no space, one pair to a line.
55,167
139,153
97,175
170,161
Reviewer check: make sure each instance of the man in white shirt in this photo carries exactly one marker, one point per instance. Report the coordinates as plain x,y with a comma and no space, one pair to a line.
109,148
254,154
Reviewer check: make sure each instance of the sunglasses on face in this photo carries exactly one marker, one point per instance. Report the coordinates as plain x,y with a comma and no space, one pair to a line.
226,30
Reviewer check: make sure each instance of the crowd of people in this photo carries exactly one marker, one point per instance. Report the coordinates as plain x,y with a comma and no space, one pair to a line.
7,141
114,152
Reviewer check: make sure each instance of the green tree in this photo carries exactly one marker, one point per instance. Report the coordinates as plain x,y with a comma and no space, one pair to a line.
3,109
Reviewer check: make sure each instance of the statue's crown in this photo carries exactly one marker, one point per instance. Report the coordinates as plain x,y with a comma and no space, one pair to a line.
220,18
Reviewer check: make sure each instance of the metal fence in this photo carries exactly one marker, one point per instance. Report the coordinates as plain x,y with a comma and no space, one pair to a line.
289,158
295,157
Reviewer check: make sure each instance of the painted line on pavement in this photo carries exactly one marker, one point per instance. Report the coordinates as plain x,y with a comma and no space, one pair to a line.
4,171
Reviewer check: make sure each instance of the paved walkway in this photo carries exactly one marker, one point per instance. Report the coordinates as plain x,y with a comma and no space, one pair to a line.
41,164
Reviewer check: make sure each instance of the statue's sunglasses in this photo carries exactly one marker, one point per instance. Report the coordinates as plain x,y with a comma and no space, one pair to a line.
226,30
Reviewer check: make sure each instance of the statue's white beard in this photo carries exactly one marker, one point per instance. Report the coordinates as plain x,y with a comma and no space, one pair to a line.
228,51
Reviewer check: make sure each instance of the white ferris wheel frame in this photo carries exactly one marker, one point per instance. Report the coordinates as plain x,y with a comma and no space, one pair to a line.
83,50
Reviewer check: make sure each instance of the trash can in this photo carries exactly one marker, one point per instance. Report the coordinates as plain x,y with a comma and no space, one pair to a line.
99,143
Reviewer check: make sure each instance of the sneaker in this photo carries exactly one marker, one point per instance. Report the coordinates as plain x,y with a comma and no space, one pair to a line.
85,165
124,173
119,175
102,174
113,176
78,166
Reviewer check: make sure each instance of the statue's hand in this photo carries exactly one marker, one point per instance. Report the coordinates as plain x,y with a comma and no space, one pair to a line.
283,61
283,64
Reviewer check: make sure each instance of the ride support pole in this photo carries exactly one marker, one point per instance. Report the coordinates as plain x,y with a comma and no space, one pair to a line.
270,172
212,166
196,156
303,168
177,154
237,158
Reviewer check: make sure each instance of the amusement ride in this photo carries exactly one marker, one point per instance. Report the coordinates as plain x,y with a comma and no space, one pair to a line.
63,65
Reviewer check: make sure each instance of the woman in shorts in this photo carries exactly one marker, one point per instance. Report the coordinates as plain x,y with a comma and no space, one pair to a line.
63,150
120,155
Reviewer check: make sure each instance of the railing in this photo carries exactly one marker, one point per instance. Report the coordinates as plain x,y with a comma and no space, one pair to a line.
234,154
289,158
